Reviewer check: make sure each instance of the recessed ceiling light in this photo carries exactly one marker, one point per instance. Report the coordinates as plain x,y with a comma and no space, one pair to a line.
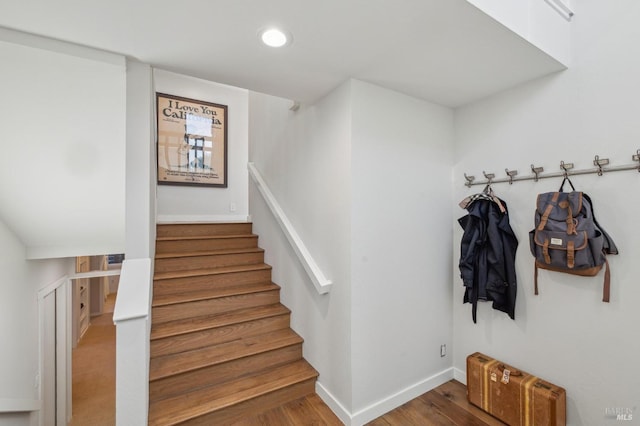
274,37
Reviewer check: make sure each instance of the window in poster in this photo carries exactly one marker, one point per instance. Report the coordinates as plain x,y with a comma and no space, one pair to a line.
192,142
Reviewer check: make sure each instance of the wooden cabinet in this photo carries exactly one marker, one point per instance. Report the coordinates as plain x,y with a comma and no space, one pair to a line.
80,300
89,294
83,300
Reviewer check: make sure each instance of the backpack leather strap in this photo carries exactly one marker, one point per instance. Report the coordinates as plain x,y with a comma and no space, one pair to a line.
607,282
571,251
547,211
545,251
535,279
571,222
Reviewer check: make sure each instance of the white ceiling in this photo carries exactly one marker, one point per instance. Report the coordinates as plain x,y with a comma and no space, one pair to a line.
445,51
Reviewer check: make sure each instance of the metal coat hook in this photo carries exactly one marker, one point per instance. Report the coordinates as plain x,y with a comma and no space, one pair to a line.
536,171
489,176
565,167
599,162
636,157
469,180
511,174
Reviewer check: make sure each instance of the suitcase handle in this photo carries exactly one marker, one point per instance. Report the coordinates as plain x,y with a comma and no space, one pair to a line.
512,371
540,384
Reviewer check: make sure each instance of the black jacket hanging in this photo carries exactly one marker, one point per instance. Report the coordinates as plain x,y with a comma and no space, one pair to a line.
487,255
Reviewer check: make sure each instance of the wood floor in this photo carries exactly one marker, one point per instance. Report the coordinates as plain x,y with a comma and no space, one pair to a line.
445,405
94,394
94,372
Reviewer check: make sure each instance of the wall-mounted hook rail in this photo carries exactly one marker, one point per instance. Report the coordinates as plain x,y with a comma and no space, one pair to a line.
566,170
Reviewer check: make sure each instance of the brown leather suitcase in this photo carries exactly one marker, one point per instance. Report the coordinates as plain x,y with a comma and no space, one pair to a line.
513,396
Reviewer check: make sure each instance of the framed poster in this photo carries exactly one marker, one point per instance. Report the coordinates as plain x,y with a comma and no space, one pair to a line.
191,142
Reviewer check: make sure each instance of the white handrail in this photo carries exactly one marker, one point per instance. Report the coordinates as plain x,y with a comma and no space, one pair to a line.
132,316
95,274
134,290
561,7
19,405
321,283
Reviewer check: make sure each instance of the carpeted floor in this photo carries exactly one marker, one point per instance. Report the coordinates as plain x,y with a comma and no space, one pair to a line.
94,372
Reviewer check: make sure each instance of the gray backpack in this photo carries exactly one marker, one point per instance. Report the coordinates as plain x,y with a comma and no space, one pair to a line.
567,238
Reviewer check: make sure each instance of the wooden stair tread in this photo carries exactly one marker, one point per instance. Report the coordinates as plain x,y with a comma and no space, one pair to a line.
206,400
210,271
169,365
221,342
206,237
213,293
202,228
221,252
190,325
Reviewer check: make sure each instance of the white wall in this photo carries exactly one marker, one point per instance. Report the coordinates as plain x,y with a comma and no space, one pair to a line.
62,137
357,174
186,203
141,163
550,28
402,153
304,157
21,280
537,21
18,366
513,14
566,334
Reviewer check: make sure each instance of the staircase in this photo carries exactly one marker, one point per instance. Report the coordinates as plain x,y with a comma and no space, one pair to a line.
221,346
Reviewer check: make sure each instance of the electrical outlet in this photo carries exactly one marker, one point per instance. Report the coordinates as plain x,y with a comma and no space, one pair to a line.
443,350
232,207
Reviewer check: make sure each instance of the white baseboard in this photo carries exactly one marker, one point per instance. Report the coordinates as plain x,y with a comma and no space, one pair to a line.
460,375
333,403
385,405
167,218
